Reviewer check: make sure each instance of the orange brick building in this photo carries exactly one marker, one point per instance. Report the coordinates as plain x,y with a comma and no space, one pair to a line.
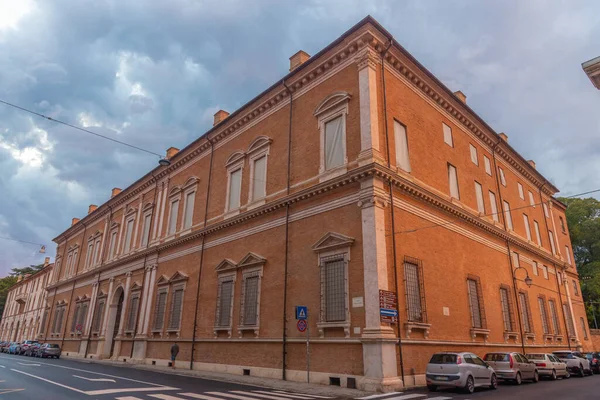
358,172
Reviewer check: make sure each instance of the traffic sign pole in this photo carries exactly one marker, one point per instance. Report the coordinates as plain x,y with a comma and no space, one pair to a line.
307,353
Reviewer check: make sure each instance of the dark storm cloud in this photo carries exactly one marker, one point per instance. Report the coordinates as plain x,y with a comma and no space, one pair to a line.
152,73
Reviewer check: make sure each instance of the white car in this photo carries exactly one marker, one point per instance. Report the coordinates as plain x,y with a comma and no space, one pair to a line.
549,365
459,370
576,362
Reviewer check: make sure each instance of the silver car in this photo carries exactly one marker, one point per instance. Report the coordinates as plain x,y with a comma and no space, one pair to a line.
549,365
459,370
512,367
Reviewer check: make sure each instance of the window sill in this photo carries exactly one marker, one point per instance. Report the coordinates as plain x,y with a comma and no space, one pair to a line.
231,213
529,336
243,329
509,335
480,332
218,329
333,173
256,203
410,326
558,338
548,337
321,326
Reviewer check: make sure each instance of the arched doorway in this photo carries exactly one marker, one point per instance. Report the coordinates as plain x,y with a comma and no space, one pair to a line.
114,318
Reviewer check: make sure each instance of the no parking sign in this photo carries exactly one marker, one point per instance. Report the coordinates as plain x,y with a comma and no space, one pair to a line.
301,325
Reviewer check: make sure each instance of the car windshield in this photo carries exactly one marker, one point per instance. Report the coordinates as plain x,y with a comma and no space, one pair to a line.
496,357
443,359
569,356
536,356
53,346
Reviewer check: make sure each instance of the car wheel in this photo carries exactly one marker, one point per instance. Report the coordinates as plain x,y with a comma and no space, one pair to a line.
432,388
470,385
536,377
553,376
494,382
581,371
518,379
57,357
567,374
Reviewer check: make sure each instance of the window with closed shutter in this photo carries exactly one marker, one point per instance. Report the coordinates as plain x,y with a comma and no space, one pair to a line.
488,166
569,318
494,206
224,303
132,314
525,313
235,187
401,141
44,319
583,328
474,157
176,308
479,197
453,181
552,245
83,315
554,317
536,227
502,177
159,310
75,321
521,192
259,176
250,298
415,304
527,228
335,290
544,316
188,213
509,223
447,135
98,316
506,311
334,143
474,304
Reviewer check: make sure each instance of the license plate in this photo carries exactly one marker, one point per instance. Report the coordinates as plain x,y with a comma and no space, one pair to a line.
441,378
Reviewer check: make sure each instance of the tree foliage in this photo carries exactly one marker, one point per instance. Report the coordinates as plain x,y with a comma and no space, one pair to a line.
32,269
5,284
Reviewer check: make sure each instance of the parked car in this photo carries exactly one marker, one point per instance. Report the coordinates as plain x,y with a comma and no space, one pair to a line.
594,359
459,370
48,350
513,367
14,348
25,345
4,346
576,362
549,365
32,349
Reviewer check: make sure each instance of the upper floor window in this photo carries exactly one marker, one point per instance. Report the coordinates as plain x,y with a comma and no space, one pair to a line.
554,317
531,201
415,293
575,288
507,313
453,181
189,198
545,210
479,196
544,315
234,165
538,237
552,245
527,228
113,242
474,157
525,312
174,199
401,140
335,133
509,223
493,206
331,114
146,227
448,135
521,193
128,234
502,177
487,165
258,154
562,224
568,254
476,303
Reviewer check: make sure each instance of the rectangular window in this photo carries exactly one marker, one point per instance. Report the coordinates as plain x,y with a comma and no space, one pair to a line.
176,308
531,201
479,196
98,317
159,310
487,165
538,237
224,303
544,315
146,230
502,177
250,298
569,318
75,319
506,310
527,228
474,157
568,253
545,210
575,288
453,182
554,317
128,235
545,271
401,140
535,268
173,212
188,213
552,246
235,188
113,244
334,271
509,223
521,193
97,247
562,224
475,304
447,135
493,206
132,315
89,254
259,178
525,312
334,143
415,300
583,328
83,316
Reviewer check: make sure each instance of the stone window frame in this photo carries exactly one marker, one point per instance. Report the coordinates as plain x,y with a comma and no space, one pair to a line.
547,328
176,282
226,272
190,186
113,247
97,328
483,330
174,196
42,326
80,316
71,267
58,320
509,333
130,216
251,265
234,163
147,211
260,147
487,165
162,287
553,312
135,292
333,106
526,312
93,258
474,154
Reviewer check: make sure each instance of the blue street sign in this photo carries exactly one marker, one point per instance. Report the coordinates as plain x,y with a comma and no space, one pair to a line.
388,312
301,312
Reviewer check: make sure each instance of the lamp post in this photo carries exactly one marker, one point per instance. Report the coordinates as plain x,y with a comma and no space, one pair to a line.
528,282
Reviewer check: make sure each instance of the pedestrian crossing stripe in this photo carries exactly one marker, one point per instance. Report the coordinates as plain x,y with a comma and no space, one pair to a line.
234,395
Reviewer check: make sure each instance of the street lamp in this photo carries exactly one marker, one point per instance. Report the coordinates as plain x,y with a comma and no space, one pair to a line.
528,280
164,162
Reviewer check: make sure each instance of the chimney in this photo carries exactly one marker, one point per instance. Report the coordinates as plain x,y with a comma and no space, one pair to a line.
115,192
220,116
92,208
461,96
298,59
46,261
532,163
171,151
74,221
19,278
503,136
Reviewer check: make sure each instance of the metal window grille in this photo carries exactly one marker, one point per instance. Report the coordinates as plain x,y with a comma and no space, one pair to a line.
415,290
525,313
249,304
98,316
75,318
55,322
575,289
44,319
83,314
506,310
176,306
474,304
570,325
554,317
61,315
544,315
585,335
159,311
334,281
132,315
224,301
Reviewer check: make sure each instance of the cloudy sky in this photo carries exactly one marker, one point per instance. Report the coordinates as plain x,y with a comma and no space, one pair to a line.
152,73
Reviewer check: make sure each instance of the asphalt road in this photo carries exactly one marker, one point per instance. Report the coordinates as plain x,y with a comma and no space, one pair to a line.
32,378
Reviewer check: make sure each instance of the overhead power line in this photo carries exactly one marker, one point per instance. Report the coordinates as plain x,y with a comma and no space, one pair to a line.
42,246
79,128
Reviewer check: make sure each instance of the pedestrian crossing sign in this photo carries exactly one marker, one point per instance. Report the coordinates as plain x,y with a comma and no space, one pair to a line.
301,312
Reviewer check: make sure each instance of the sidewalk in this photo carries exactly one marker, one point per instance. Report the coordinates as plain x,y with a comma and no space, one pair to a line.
278,384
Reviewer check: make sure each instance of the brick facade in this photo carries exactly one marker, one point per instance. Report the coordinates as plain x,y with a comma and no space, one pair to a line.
326,237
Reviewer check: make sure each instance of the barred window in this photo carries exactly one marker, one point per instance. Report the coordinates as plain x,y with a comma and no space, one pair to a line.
506,303
55,322
585,335
176,308
475,304
544,315
224,302
525,313
554,317
575,288
334,285
43,325
249,306
75,318
132,314
98,316
415,293
570,324
82,315
61,316
159,310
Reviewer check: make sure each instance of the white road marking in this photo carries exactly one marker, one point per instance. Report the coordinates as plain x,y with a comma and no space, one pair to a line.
407,396
165,397
376,396
128,398
29,364
6,391
260,396
48,380
308,395
128,390
439,398
292,396
2,366
199,396
237,396
95,379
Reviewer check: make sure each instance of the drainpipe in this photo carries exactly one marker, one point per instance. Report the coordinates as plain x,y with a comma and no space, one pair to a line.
387,145
287,237
87,343
510,261
212,149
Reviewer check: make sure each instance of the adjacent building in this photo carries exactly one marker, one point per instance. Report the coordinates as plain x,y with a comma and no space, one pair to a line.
24,312
357,182
592,70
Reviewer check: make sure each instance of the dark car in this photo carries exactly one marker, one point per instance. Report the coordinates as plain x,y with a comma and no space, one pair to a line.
48,350
594,358
26,345
32,349
4,345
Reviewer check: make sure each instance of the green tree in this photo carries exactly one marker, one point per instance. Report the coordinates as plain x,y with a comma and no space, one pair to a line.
583,218
5,284
32,269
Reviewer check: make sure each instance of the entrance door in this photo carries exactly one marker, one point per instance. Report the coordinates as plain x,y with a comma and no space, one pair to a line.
117,323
